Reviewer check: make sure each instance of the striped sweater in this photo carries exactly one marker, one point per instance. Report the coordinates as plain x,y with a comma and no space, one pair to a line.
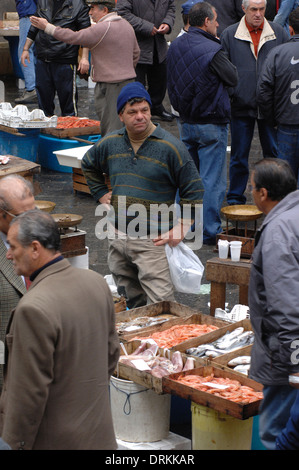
149,178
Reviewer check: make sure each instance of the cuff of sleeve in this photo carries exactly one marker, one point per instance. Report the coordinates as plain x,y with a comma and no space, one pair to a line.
50,29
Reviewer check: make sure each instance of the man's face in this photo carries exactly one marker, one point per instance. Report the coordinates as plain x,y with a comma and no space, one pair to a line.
20,255
255,13
212,25
136,117
96,13
17,208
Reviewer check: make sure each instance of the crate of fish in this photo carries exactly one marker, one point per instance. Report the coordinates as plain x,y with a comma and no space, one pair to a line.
159,316
144,363
178,332
238,360
233,337
221,390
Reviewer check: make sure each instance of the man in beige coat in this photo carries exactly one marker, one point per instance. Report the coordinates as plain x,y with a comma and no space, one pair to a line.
61,347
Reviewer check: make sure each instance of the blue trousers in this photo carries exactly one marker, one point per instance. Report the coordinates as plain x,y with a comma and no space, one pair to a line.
29,71
242,129
207,146
274,412
288,147
52,77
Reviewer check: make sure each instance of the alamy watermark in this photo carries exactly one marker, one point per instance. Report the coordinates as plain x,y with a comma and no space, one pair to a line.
139,221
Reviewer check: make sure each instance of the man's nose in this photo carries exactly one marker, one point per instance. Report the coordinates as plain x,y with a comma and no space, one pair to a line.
8,254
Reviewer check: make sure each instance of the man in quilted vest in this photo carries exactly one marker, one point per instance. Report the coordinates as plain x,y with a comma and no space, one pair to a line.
198,76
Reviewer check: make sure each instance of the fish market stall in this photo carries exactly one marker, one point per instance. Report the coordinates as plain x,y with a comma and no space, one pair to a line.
20,129
71,132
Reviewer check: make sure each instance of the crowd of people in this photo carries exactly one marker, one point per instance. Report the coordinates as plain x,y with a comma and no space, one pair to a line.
230,68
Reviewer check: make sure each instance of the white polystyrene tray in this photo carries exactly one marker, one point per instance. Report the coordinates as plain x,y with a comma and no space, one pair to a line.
21,117
72,157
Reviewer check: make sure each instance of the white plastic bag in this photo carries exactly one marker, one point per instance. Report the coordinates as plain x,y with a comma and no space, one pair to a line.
185,267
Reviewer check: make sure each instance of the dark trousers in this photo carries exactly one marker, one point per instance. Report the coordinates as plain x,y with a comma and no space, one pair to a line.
52,77
154,76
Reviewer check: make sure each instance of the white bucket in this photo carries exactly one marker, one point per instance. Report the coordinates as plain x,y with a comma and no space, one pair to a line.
139,414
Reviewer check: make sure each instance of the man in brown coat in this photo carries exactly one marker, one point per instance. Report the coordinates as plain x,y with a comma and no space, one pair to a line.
16,197
61,347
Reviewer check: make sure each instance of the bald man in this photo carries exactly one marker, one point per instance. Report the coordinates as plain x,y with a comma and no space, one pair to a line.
16,197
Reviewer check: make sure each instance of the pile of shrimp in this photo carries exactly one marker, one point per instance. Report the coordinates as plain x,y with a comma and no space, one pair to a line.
179,333
235,391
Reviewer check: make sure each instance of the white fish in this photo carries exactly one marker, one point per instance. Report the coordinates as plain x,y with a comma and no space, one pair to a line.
239,361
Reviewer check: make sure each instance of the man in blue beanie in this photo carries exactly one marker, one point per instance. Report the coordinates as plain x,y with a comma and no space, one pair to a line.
146,165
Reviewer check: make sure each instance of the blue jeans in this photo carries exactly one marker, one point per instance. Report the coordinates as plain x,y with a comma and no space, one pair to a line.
242,129
274,412
288,147
29,71
207,146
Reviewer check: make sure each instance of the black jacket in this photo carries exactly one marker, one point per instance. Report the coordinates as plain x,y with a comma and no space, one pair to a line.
278,86
72,14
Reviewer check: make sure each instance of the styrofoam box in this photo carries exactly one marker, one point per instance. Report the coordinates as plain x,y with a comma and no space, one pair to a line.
72,157
172,442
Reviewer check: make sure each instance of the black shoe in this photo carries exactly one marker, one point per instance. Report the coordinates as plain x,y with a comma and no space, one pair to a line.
164,115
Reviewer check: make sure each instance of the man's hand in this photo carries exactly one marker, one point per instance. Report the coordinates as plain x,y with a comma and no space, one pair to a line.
154,31
163,28
25,56
83,66
174,236
294,380
40,23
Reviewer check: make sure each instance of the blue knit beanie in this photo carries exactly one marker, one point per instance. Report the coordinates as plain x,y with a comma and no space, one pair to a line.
129,91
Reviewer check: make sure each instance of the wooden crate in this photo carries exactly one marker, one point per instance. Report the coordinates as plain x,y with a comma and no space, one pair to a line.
197,318
214,335
238,235
72,132
10,19
80,183
223,360
223,405
145,378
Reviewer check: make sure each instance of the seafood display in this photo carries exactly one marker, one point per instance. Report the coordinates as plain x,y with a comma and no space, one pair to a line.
240,364
179,333
141,322
230,341
147,359
223,387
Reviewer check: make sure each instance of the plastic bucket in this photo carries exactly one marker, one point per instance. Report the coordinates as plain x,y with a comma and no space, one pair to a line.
212,430
139,414
48,144
24,146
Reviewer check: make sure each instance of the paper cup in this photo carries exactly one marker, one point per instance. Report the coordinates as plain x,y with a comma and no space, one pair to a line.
223,248
235,250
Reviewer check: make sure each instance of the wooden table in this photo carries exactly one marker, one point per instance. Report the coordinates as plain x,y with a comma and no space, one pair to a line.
17,165
225,271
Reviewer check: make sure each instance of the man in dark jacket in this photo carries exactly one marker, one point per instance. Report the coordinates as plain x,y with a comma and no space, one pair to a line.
273,294
198,74
228,11
278,94
151,20
248,44
56,64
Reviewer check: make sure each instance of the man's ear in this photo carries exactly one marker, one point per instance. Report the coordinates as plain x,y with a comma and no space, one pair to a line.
35,247
263,194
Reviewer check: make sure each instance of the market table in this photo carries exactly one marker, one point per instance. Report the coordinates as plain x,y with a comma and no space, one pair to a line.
225,271
17,165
